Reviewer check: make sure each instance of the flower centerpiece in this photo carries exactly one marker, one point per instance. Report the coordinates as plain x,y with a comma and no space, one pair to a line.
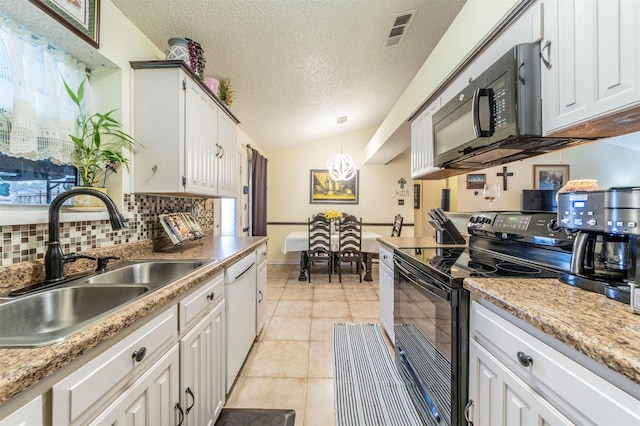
333,216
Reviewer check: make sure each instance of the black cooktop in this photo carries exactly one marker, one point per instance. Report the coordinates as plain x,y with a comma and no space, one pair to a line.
460,263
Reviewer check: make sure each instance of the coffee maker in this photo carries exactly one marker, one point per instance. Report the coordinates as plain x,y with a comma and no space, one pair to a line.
604,250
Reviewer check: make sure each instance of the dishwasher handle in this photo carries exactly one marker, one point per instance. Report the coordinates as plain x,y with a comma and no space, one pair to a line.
243,272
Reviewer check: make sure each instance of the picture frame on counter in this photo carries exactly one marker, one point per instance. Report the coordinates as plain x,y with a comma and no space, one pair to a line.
324,190
82,17
550,176
476,181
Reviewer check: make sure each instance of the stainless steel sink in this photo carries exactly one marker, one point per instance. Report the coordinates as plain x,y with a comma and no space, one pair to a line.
49,316
46,315
146,272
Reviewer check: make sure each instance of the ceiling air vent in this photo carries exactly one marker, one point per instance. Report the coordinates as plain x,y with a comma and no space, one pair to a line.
399,28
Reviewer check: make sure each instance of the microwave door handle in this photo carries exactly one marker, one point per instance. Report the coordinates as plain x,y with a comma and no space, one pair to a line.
475,111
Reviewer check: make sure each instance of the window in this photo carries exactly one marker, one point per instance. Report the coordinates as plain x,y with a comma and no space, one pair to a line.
36,116
25,181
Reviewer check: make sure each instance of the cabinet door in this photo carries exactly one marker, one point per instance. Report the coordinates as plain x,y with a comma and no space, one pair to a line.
616,53
151,400
422,142
501,398
228,171
261,309
29,414
202,353
201,133
593,65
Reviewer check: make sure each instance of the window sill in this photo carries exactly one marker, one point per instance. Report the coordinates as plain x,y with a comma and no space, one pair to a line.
30,215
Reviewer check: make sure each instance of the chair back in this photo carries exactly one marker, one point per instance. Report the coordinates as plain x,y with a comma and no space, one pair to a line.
350,240
397,226
319,235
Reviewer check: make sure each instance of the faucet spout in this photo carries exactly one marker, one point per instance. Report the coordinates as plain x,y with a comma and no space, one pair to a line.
54,259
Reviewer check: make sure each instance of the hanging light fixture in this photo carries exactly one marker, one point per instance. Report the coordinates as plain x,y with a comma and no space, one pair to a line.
342,166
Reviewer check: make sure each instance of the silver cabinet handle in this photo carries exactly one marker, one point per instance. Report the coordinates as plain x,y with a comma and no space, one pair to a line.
467,409
546,61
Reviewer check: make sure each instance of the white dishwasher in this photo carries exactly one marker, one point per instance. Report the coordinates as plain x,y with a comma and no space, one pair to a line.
240,295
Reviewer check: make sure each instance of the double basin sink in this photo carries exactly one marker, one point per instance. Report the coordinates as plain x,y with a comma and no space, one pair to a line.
49,315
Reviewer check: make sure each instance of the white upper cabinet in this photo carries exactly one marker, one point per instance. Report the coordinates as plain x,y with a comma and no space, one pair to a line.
591,60
188,136
422,142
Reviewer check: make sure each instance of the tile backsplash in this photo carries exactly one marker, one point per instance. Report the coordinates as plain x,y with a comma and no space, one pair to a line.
22,243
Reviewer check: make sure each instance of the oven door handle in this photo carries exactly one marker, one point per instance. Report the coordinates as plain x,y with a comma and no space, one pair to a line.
440,291
418,382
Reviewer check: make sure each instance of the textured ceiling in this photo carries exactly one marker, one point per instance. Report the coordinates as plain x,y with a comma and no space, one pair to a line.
298,65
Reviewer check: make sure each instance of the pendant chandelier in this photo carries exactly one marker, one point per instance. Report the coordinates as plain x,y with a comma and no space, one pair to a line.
342,166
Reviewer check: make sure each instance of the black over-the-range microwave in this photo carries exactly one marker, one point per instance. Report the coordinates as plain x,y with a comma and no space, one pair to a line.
497,118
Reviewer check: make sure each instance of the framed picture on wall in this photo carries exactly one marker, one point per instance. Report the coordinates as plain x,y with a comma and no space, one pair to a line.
550,176
324,190
416,195
80,16
476,181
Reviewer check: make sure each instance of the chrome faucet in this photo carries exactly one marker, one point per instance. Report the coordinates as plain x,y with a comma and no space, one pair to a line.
54,260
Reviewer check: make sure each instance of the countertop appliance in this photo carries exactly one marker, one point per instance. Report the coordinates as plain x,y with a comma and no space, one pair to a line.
240,294
497,118
431,306
605,251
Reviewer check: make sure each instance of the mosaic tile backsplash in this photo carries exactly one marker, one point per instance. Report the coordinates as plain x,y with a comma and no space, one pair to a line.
22,243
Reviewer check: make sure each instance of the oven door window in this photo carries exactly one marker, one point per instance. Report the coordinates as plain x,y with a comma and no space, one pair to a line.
423,328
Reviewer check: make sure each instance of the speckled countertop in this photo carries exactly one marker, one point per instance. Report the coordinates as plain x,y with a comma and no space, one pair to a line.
604,330
21,368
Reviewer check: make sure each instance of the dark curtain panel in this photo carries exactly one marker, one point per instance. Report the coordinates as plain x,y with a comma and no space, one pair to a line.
258,194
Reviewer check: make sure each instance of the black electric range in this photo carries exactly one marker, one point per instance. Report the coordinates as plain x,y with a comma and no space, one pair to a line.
431,307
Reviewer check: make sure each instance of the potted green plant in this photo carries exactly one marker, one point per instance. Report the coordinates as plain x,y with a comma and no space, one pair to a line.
98,143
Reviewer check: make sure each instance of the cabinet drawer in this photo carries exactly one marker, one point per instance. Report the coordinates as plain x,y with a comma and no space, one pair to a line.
194,306
577,392
386,256
84,390
261,254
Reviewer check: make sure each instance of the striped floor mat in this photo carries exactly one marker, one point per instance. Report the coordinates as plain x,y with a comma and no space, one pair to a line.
368,388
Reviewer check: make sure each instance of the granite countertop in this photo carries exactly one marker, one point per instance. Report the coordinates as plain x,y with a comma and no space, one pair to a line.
602,329
21,368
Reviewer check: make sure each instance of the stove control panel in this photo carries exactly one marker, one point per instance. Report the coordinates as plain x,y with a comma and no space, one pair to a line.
522,226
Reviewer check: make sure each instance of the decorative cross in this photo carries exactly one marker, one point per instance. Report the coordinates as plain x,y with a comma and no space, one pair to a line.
504,175
402,182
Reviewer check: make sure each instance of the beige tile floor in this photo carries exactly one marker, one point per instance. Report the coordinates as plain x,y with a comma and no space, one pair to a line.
290,364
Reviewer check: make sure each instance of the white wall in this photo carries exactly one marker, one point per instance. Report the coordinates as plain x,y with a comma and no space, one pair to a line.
289,186
604,160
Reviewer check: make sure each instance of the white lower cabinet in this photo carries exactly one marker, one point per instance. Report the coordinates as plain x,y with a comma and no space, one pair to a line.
202,370
261,308
386,291
29,414
150,400
501,398
90,389
515,378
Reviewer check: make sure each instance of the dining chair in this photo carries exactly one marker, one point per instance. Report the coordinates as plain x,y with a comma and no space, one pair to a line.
350,244
319,243
397,226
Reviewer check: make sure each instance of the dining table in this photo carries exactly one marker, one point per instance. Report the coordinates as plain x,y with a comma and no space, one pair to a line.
298,241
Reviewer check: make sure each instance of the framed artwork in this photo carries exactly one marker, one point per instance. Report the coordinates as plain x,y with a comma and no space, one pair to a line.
416,195
550,176
476,181
324,190
80,16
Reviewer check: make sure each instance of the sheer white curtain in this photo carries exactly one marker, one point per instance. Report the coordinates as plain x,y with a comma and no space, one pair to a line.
36,114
